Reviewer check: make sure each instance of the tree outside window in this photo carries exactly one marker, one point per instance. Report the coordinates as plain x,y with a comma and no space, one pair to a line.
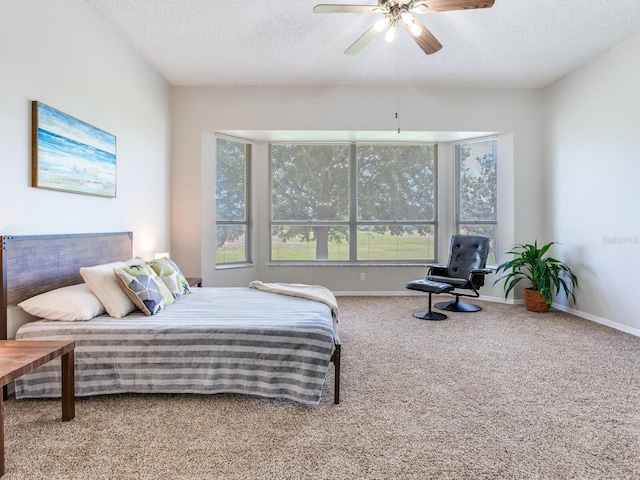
396,202
477,199
352,203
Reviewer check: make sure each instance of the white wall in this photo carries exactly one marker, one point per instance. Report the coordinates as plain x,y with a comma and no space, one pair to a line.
60,52
591,135
198,112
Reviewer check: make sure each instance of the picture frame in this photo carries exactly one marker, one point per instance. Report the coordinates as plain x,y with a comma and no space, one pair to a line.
70,155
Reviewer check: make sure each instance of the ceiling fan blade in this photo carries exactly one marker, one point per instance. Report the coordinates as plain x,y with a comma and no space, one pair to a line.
361,42
447,5
332,8
426,41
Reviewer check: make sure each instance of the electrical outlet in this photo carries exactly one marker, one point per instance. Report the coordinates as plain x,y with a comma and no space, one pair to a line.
363,277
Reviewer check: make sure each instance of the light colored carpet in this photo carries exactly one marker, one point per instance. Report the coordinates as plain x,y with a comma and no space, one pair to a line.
497,394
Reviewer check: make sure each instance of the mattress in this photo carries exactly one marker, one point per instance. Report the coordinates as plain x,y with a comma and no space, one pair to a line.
214,340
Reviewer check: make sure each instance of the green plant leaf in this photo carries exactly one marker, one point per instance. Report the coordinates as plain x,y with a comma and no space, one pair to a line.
548,275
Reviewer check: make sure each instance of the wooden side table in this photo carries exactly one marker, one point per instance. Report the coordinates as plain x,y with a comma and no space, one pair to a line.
19,357
194,281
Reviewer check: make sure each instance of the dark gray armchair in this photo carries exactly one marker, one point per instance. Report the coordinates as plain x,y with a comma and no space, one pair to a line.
465,270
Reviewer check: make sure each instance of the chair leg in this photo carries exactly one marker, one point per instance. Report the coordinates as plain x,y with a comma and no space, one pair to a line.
429,314
458,306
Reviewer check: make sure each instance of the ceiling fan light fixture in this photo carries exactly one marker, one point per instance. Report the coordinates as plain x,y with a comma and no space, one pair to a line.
409,22
420,8
391,34
416,31
407,18
381,24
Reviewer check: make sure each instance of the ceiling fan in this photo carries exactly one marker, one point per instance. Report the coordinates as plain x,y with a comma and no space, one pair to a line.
402,13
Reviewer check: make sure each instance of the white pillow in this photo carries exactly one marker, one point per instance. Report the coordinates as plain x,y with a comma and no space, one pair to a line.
69,304
102,282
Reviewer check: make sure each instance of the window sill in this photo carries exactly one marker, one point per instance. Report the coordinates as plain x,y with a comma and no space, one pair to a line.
230,266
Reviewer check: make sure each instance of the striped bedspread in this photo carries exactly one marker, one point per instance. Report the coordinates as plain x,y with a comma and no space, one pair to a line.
215,340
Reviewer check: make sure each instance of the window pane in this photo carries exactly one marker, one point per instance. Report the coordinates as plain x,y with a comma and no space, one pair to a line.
310,182
478,181
490,231
406,242
385,193
231,167
233,234
322,242
396,182
230,244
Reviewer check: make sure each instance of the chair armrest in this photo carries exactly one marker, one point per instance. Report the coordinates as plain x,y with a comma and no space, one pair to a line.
476,276
436,269
481,271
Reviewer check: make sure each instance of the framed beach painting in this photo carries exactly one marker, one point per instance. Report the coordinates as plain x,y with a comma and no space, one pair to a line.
70,155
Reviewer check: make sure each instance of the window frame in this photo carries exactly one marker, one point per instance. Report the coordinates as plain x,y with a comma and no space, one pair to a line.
247,221
353,223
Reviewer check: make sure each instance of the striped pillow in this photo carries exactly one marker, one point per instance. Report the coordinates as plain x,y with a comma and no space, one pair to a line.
102,282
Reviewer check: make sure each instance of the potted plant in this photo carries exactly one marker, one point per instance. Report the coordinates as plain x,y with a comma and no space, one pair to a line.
546,275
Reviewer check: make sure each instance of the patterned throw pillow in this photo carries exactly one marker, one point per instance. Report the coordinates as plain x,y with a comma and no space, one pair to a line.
144,288
171,275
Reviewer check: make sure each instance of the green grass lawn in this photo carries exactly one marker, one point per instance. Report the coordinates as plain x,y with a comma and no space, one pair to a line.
230,254
371,246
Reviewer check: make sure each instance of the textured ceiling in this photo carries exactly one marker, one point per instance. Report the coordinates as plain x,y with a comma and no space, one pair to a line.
516,43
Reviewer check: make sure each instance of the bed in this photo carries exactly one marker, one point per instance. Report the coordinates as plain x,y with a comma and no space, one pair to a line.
213,340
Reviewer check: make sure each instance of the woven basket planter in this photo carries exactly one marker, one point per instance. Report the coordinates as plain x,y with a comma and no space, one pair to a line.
534,301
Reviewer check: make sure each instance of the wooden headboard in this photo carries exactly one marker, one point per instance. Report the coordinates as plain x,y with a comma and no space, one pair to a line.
38,263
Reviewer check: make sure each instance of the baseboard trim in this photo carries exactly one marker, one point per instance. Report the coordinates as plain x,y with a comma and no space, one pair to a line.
409,293
587,316
394,293
602,321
